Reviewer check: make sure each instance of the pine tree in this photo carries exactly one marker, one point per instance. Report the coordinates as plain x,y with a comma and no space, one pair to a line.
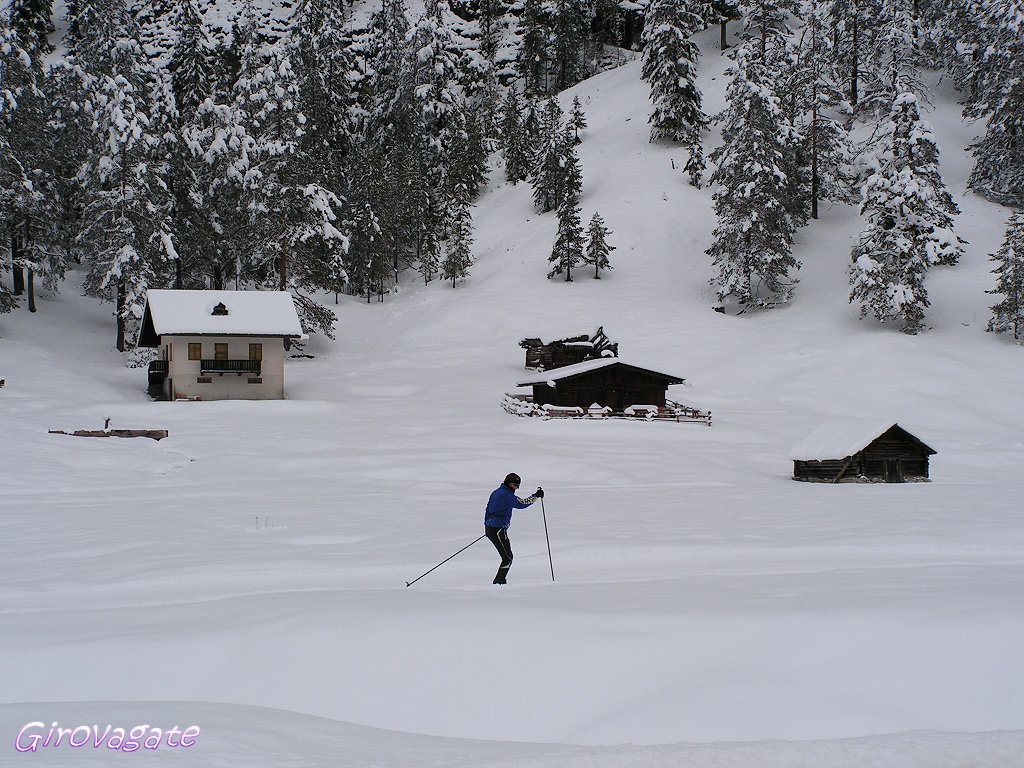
191,65
764,24
817,98
670,66
391,107
577,120
567,252
752,247
513,139
568,43
893,58
32,24
28,185
854,26
1008,314
598,249
436,77
459,256
908,222
491,21
126,233
695,164
549,165
533,58
995,93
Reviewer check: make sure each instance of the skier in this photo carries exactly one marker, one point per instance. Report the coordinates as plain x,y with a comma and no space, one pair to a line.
498,517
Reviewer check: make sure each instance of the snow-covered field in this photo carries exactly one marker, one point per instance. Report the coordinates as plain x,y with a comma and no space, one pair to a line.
248,574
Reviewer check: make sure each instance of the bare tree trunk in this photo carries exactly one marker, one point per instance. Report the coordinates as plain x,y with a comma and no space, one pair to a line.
815,181
31,290
284,269
854,55
121,301
17,272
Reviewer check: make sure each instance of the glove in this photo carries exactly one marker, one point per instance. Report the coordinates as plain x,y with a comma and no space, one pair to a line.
539,493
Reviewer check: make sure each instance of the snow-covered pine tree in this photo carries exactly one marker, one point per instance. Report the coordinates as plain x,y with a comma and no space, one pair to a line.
997,96
1008,314
156,28
27,165
465,156
854,26
533,57
567,252
125,236
436,77
568,43
13,61
818,102
908,225
459,255
371,204
390,101
547,173
695,164
191,65
765,23
670,67
32,24
752,247
577,119
598,249
893,58
291,208
514,144
491,22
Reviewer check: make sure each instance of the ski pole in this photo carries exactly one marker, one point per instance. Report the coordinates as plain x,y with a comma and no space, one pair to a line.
410,583
544,515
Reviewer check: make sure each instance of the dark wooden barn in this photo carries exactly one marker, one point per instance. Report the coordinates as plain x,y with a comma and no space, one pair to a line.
861,451
607,382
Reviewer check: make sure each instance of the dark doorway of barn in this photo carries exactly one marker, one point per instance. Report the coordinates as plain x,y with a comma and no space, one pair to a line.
893,471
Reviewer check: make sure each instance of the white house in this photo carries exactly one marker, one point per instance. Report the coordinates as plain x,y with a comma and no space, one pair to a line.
218,345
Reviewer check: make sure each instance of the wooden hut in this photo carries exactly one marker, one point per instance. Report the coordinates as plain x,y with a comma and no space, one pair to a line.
608,382
868,451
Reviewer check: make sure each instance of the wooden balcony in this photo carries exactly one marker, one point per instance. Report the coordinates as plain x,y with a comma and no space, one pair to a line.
240,367
157,376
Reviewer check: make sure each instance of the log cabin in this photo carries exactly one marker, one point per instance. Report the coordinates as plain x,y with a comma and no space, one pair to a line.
861,450
608,382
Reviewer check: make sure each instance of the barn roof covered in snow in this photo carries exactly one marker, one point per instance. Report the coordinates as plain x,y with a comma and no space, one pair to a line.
840,439
218,313
578,369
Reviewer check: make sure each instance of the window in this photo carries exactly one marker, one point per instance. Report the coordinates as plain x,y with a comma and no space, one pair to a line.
255,380
195,350
255,351
204,380
220,351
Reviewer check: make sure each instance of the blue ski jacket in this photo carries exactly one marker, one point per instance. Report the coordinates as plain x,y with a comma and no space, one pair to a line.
500,505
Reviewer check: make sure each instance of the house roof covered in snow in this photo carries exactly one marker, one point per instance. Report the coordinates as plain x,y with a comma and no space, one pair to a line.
577,369
218,313
841,439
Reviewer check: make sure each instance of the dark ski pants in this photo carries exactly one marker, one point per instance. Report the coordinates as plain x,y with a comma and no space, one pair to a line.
499,538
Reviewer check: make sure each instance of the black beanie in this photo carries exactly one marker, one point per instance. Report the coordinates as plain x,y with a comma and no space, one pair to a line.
512,477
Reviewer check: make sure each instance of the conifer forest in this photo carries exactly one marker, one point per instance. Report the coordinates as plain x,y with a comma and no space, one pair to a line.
325,147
